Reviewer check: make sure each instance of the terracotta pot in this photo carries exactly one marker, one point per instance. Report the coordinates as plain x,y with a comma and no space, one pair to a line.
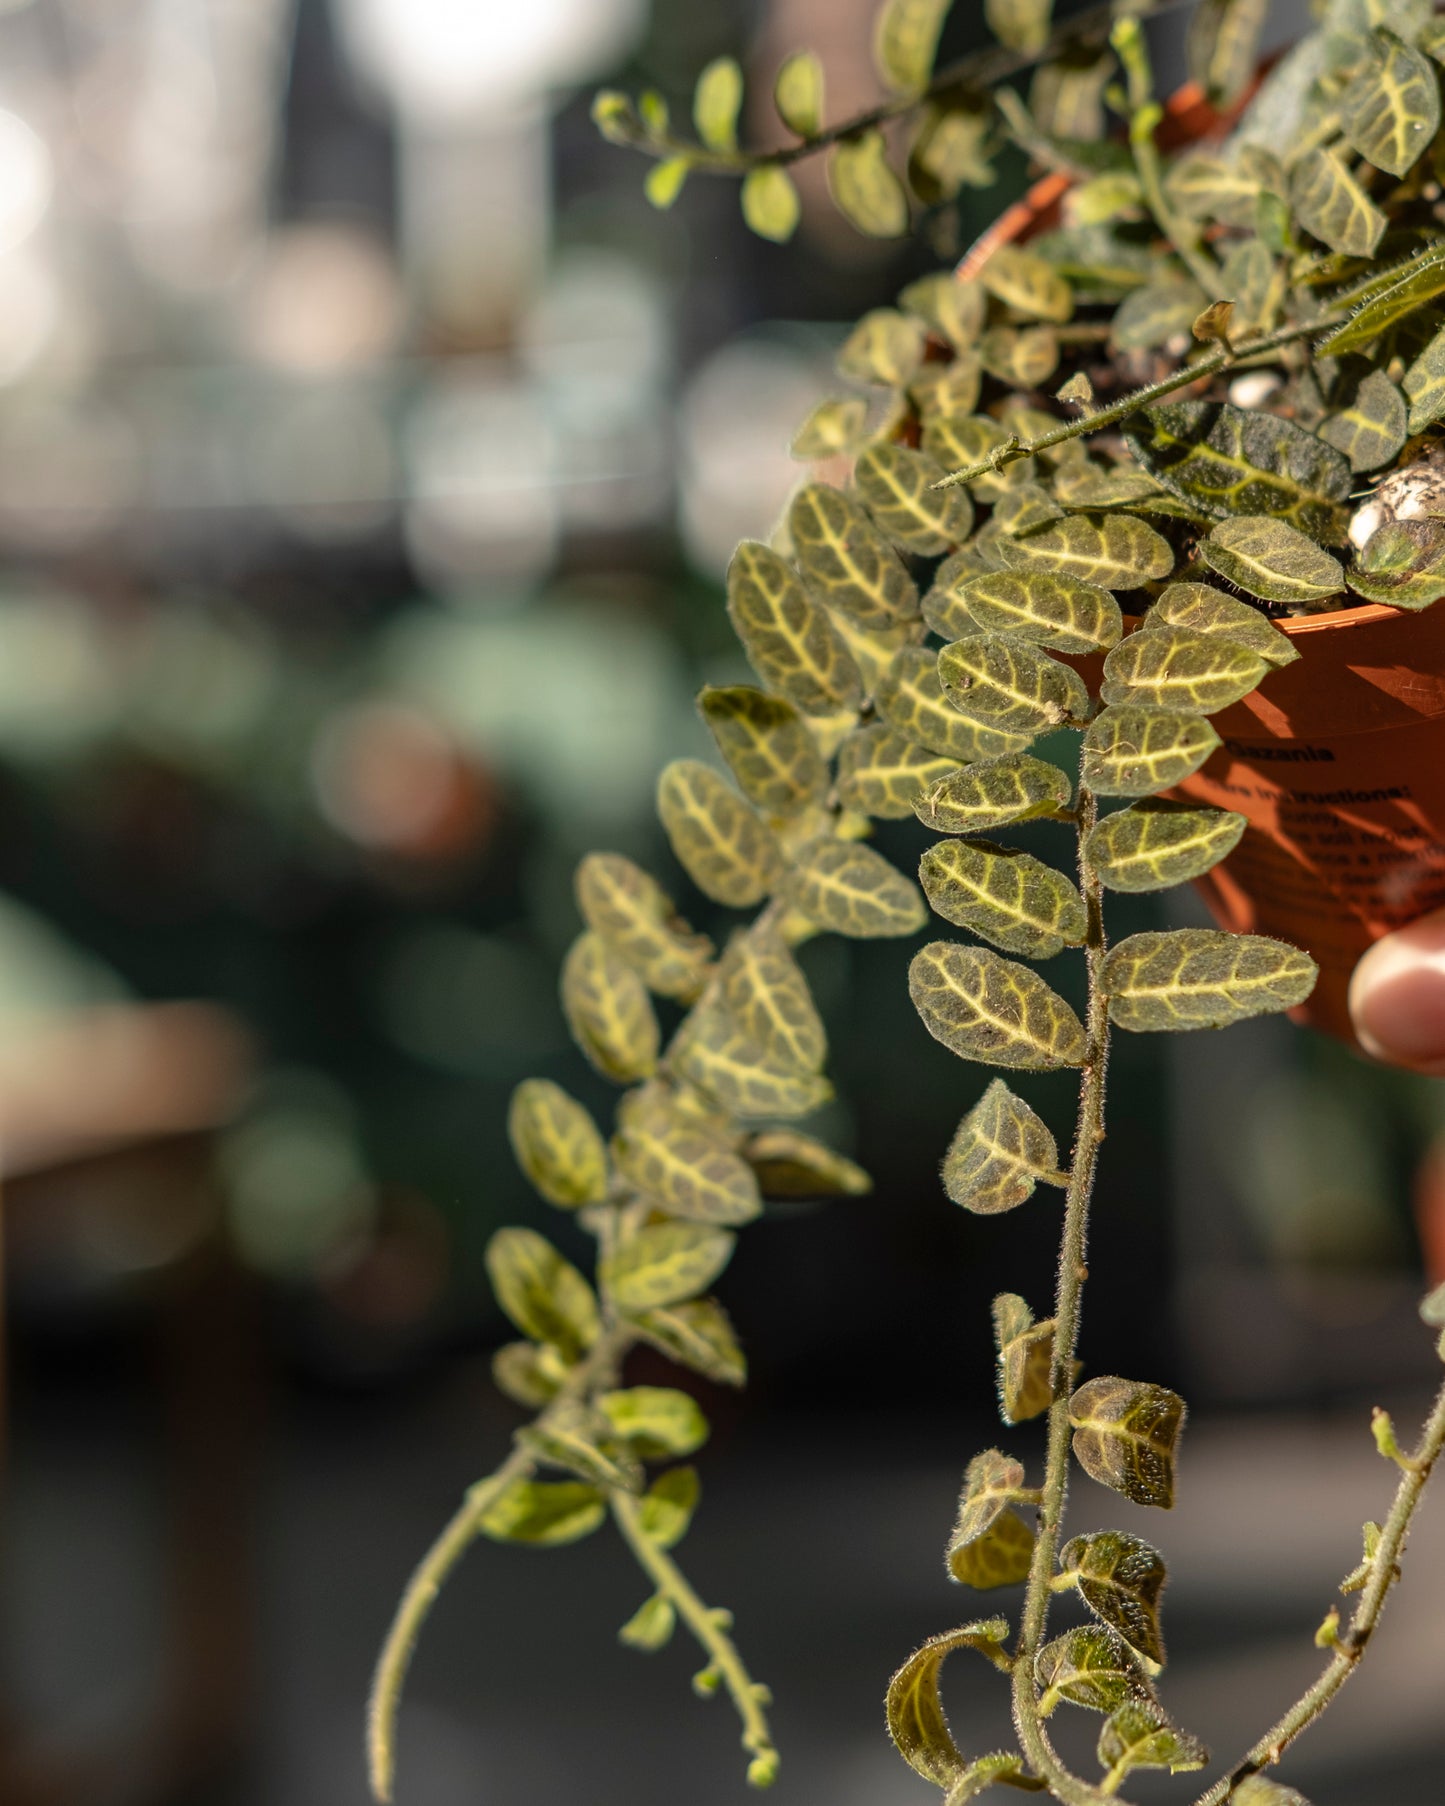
1337,761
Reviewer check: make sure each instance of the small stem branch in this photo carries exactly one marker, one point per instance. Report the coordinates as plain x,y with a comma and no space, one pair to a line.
1088,1137
717,1645
436,1565
1351,1646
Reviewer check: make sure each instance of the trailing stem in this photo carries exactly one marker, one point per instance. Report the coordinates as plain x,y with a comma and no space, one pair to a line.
1089,1135
1349,1648
710,1628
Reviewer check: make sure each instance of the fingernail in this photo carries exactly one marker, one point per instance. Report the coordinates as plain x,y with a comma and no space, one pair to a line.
1397,997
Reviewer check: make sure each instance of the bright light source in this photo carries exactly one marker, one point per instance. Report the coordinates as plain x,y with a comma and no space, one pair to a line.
27,180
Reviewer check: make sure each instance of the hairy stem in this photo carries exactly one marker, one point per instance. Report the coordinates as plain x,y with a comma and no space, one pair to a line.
1088,1136
983,70
436,1565
711,1633
1351,1646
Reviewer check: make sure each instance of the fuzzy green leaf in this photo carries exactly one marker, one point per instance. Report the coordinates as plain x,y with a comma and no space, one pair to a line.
714,1052
1135,749
716,102
864,188
916,1721
1121,1579
767,995
790,1165
1227,461
688,1174
666,1508
882,772
1402,564
557,1144
569,1436
1138,1734
990,1547
1000,683
1330,203
635,916
770,203
1043,607
954,310
1025,1358
834,428
608,1010
959,440
1266,558
528,1375
1114,551
1024,508
545,1513
696,1334
656,1422
895,485
1424,385
1024,358
721,844
1191,978
943,389
999,1153
665,181
1091,1667
1171,668
905,39
788,638
651,1626
1391,109
543,1293
1406,289
666,1264
1211,187
1371,427
1200,608
1005,896
1024,281
1125,1433
885,347
768,747
1005,1766
854,891
911,698
993,794
846,560
1153,315
1224,46
1156,844
985,1008
798,94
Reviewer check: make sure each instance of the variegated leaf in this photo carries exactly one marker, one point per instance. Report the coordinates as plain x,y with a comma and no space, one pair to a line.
1402,564
1391,109
916,1720
885,347
982,1007
1114,551
1025,1357
1206,186
992,794
958,441
905,38
664,1265
1024,358
608,1010
1153,315
846,560
688,1174
1044,607
896,486
545,1513
1424,384
911,698
1000,1151
697,1334
1125,1433
792,1165
1000,683
864,188
787,636
1139,1734
1269,559
1371,425
1400,291
768,747
1120,1578
658,1423
1024,508
1004,896
1156,844
882,772
999,1766
719,841
1227,461
1021,24
1024,281
632,912
990,1547
1331,204
948,388
767,995
543,1294
570,1437
854,891
836,426
557,1144
874,649
954,310
1091,1667
1202,978
1135,749
1224,46
528,1375
1199,608
715,1053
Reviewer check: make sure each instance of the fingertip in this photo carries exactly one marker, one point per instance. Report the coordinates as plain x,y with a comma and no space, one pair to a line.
1397,997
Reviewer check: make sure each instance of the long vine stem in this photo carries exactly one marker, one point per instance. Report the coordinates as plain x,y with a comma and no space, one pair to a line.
1347,1651
710,1628
1073,1271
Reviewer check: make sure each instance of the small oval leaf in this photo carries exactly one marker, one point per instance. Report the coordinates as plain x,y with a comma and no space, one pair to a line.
882,772
1007,897
1134,749
885,347
1120,1578
787,636
896,486
665,1265
864,188
1091,1667
543,1294
1171,668
768,747
721,844
910,697
1156,844
846,560
1190,978
1024,281
1003,684
854,891
1114,551
1125,1432
1044,607
608,1010
557,1144
1139,1734
1200,608
1000,1151
632,912
985,1008
992,794
770,203
545,1513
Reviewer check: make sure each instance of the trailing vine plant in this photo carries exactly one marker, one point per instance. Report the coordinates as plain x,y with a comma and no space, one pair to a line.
1033,541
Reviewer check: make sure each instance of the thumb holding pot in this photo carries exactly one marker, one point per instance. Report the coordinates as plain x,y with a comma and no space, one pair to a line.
1397,997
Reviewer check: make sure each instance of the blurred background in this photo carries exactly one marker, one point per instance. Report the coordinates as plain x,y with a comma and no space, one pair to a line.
370,455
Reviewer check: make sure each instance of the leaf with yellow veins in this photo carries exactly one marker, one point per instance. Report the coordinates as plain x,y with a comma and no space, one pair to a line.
1001,683
1188,978
766,994
688,1174
608,1010
896,486
543,1293
999,1153
854,891
1125,1432
713,1052
1029,283
720,842
1025,1356
1172,668
665,1264
792,1165
557,1144
982,1007
992,794
1136,749
1120,1578
1157,844
768,746
912,699
882,772
1048,609
916,1720
846,561
787,635
1006,896
632,912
